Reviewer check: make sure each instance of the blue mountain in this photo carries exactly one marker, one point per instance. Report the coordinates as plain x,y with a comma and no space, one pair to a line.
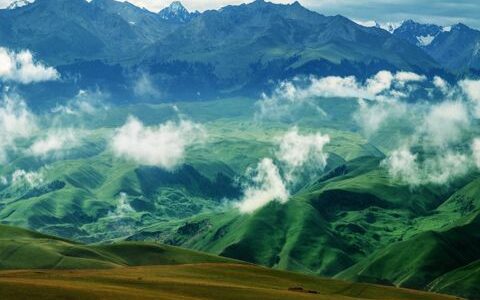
236,50
456,48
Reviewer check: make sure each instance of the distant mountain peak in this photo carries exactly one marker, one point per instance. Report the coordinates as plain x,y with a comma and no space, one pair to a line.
20,3
177,6
176,12
388,26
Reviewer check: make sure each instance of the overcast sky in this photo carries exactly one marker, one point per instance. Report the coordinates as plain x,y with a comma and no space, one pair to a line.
442,12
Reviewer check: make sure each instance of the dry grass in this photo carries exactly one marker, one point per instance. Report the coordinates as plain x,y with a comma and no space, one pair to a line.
196,281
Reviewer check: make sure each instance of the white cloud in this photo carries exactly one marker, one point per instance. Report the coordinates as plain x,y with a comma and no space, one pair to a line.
84,103
476,151
438,169
402,164
267,186
21,67
379,83
145,87
471,88
22,178
446,167
163,146
441,84
405,77
371,116
299,156
301,92
123,207
54,142
302,153
436,133
16,122
445,123
285,100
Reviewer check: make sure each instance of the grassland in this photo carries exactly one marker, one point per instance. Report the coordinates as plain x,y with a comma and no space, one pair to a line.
354,221
191,281
37,266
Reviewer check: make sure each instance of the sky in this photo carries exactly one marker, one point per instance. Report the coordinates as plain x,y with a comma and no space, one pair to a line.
441,12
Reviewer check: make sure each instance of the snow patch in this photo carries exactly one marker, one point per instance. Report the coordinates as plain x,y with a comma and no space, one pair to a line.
20,3
425,40
447,29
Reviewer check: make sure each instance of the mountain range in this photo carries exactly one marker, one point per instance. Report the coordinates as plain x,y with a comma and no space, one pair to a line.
237,50
456,47
101,157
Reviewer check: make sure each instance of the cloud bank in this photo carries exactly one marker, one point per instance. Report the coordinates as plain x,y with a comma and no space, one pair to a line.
54,142
16,122
163,146
22,68
435,127
298,93
302,154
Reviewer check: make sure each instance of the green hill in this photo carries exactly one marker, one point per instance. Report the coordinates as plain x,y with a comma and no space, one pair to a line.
464,281
327,227
416,262
354,223
23,249
161,272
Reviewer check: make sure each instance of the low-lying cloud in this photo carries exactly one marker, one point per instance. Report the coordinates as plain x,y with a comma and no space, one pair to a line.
302,154
145,87
21,67
26,179
163,146
436,153
16,122
440,169
55,142
431,129
298,93
266,186
123,207
298,157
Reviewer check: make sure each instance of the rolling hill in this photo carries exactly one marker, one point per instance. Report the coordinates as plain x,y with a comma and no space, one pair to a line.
164,273
23,249
353,223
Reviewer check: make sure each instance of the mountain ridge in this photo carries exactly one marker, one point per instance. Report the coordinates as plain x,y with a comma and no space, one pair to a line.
270,42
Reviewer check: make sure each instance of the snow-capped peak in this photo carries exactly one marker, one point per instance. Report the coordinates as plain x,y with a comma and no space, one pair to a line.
20,3
177,7
388,26
175,12
447,29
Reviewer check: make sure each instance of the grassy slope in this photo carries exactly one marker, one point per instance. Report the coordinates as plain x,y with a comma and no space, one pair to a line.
447,250
464,281
325,228
93,179
418,261
22,249
163,272
193,281
337,223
